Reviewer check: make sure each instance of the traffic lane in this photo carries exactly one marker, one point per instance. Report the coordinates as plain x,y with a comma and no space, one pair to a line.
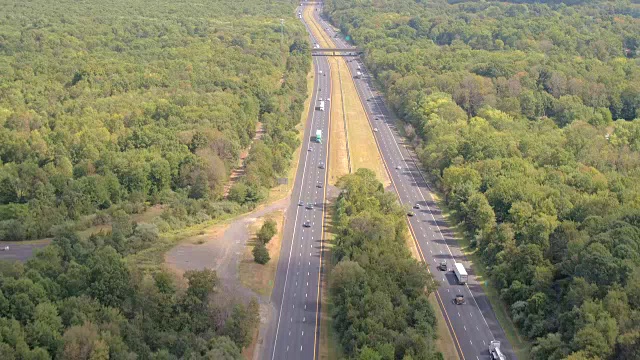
310,263
297,189
304,287
306,271
479,298
447,279
299,322
465,319
19,252
407,196
406,177
481,303
440,248
282,272
300,305
474,289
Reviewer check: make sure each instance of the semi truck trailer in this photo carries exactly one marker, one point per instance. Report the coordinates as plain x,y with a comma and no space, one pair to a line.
494,351
461,273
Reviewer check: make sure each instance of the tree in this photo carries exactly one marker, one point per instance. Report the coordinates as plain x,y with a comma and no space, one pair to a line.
267,231
223,348
474,92
108,277
243,319
478,213
202,283
45,329
261,254
200,187
79,341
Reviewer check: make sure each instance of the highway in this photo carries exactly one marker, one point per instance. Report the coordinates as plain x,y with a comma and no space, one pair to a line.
296,291
472,325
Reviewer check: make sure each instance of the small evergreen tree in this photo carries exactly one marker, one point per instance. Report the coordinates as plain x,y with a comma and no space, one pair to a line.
260,254
267,231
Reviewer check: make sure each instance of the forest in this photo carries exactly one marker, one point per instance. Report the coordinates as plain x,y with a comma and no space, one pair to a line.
119,105
379,293
79,299
109,107
526,116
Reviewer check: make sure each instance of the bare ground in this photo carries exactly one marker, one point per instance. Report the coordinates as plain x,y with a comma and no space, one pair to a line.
221,249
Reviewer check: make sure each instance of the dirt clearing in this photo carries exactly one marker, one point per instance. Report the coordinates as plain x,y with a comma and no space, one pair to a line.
260,278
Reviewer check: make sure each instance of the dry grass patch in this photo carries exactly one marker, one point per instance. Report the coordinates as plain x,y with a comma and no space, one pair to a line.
362,145
338,154
260,278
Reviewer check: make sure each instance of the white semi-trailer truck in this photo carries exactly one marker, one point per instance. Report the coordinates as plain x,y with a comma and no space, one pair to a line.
494,351
461,273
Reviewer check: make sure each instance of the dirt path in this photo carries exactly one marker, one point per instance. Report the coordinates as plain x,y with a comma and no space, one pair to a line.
238,172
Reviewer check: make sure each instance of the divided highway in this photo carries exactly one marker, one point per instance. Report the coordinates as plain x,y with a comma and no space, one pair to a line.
296,291
473,325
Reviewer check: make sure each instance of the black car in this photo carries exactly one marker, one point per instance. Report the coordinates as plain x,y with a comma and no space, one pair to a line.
300,203
443,265
319,185
410,213
416,206
321,166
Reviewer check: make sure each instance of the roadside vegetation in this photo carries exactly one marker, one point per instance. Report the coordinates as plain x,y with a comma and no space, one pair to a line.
115,106
379,293
526,116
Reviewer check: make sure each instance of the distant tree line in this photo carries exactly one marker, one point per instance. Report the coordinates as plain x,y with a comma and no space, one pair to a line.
112,105
379,293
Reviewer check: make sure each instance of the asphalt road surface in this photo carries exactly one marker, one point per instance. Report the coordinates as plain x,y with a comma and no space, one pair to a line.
473,325
295,295
19,251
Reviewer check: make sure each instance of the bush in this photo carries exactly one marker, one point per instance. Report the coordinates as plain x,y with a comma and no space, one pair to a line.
260,254
267,231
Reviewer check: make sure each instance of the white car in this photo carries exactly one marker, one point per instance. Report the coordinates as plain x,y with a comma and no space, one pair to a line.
398,167
6,248
375,129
